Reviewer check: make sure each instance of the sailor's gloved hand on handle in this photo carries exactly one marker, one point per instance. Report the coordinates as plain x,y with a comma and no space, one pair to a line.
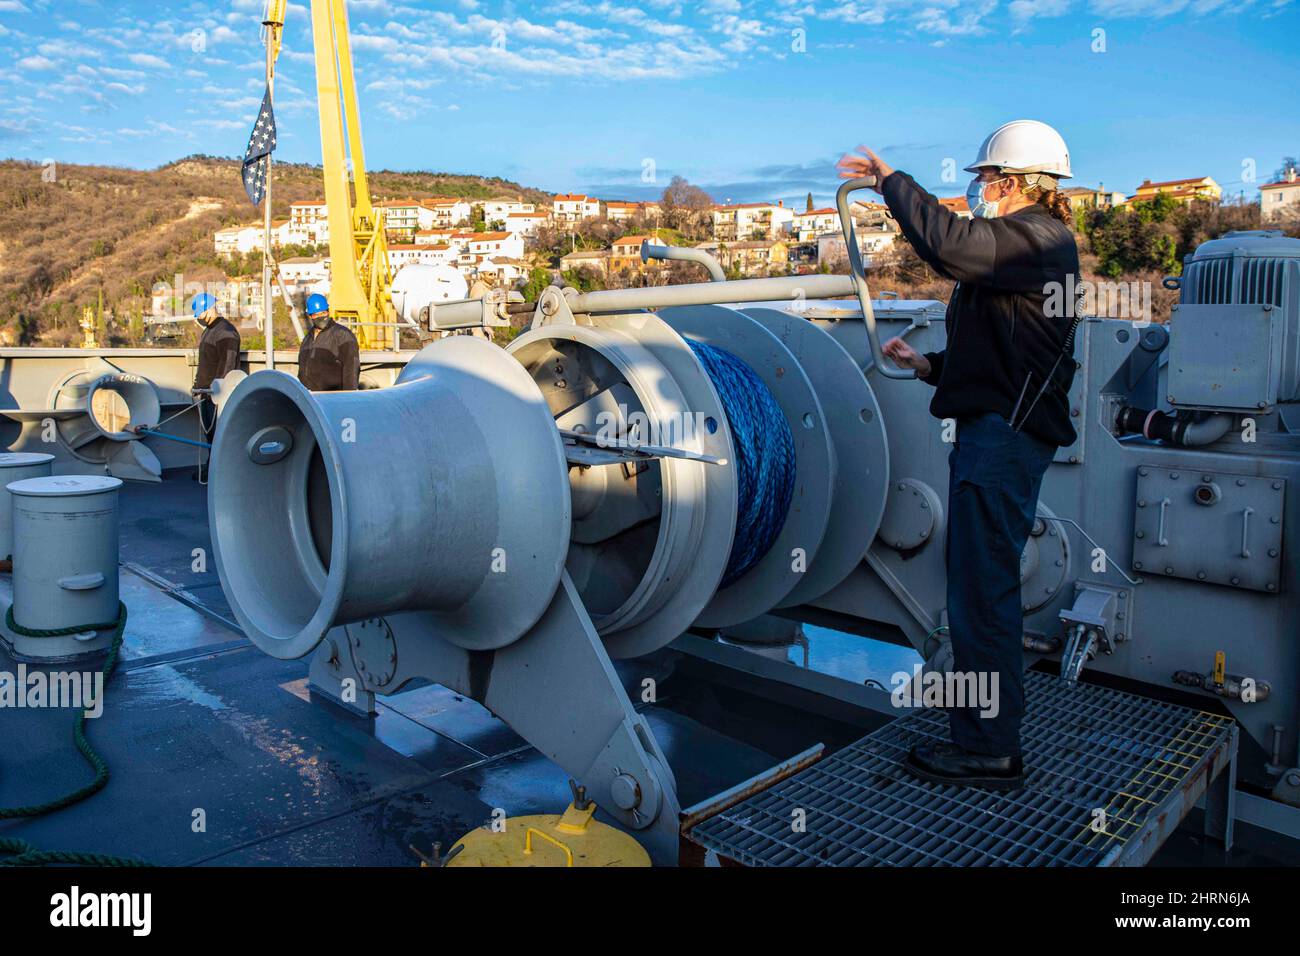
904,356
864,163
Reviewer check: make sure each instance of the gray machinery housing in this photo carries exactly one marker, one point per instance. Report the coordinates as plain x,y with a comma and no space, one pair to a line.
464,526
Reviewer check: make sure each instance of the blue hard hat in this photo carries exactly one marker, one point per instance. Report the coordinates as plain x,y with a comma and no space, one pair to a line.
201,303
317,303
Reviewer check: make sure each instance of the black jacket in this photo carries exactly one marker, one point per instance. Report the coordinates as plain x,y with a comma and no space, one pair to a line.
329,360
218,353
999,334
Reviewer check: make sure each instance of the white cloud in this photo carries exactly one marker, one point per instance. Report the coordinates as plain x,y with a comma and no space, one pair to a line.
149,60
35,63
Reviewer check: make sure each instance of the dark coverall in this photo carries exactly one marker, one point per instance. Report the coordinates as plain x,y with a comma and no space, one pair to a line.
329,359
1002,345
218,355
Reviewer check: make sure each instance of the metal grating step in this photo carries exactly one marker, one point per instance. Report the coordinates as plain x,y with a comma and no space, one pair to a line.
1087,748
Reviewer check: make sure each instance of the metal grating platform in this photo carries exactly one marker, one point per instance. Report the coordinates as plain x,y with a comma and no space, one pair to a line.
1143,762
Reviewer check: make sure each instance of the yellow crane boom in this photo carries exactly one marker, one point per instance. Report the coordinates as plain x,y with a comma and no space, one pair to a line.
360,275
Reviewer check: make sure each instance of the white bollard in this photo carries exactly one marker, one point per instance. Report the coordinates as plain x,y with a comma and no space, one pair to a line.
15,466
65,551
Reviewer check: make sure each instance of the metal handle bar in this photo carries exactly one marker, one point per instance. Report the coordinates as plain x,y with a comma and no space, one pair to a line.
860,277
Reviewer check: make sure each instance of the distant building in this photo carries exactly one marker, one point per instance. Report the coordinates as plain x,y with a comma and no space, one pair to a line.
871,214
237,240
625,253
832,250
241,240
497,211
810,225
1081,197
597,259
494,244
431,237
504,268
1283,196
619,211
310,220
750,257
304,269
447,211
525,224
405,254
574,208
1182,190
756,220
403,218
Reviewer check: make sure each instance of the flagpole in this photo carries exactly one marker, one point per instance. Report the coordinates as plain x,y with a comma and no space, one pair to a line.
268,312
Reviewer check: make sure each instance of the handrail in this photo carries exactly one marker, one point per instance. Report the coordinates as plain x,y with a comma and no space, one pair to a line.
860,277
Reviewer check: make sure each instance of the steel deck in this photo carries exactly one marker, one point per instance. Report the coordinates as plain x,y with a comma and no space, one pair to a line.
1109,776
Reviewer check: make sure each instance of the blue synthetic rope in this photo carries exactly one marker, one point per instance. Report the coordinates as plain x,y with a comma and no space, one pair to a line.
764,449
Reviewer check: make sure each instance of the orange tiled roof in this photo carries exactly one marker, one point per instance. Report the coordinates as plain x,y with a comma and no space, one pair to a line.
1199,180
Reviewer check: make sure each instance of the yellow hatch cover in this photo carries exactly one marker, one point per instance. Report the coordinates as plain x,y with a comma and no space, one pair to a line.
572,838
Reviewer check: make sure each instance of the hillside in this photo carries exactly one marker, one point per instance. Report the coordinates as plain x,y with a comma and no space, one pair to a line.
115,231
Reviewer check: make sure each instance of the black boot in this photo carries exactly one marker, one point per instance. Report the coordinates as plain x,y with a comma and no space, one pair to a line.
948,763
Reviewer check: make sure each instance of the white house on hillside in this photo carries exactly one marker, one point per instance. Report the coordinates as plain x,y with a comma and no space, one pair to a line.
810,225
447,211
496,211
755,220
525,224
1283,196
572,208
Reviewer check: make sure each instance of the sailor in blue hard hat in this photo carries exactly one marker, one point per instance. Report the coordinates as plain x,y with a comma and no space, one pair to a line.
218,345
329,359
218,355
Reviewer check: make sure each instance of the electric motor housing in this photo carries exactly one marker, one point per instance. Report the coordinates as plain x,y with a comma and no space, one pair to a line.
1235,332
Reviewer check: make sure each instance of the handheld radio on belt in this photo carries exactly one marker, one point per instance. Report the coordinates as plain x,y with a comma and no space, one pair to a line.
1067,351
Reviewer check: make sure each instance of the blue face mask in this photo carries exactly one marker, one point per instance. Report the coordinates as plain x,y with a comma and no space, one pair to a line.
980,207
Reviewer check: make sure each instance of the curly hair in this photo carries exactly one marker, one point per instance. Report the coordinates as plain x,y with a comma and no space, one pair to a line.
1047,196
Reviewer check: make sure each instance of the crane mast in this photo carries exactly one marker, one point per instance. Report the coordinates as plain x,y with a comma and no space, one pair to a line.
360,275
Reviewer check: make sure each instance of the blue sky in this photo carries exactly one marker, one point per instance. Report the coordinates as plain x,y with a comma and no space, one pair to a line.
753,99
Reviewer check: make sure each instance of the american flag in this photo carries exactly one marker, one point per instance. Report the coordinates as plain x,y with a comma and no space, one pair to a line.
257,160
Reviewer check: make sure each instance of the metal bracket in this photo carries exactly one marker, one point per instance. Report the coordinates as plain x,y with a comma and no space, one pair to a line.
1103,608
553,308
556,687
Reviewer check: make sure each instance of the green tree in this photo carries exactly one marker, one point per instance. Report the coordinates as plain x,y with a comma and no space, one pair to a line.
1139,237
538,279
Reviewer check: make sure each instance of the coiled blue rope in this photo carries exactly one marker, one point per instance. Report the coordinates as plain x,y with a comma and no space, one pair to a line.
765,461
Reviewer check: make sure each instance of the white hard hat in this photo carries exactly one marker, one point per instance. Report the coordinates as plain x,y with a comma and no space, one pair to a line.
1024,146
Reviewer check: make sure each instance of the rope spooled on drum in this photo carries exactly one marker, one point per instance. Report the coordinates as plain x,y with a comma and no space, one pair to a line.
765,459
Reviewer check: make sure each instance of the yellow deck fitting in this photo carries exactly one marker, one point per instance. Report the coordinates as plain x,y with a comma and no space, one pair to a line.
572,838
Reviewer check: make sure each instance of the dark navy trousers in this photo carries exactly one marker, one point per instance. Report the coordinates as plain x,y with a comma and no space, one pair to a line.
994,477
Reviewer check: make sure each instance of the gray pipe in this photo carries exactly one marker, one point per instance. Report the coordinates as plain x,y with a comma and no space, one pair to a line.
792,288
860,276
684,254
460,314
1206,432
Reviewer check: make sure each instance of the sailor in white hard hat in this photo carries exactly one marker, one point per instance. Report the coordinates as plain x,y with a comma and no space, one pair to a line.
1004,377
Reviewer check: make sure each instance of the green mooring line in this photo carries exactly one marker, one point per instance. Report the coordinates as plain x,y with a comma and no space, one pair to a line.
16,852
